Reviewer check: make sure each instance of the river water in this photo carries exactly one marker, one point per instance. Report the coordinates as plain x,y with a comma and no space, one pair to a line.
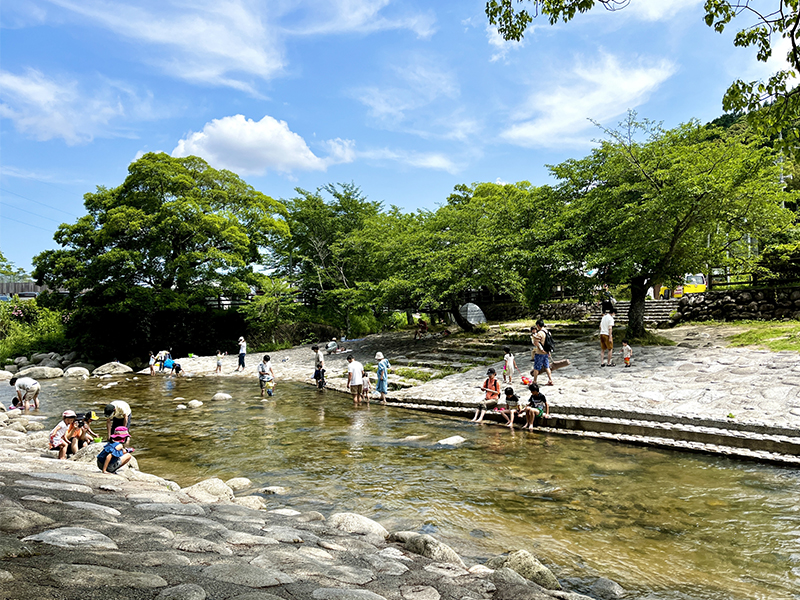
663,524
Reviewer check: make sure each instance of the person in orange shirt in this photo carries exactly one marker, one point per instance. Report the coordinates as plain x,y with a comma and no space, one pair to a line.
492,388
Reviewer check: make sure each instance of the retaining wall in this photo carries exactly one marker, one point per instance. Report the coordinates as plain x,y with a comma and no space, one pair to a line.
767,303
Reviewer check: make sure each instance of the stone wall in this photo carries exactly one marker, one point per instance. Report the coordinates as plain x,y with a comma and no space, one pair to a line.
563,311
767,304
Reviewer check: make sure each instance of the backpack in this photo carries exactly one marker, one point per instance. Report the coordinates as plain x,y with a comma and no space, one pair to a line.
548,346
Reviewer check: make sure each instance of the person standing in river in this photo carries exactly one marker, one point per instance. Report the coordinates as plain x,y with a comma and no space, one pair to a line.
118,414
266,376
319,367
242,353
27,390
382,387
355,379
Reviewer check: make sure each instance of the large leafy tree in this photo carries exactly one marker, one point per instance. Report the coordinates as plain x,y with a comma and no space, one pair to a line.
7,269
650,205
150,252
764,23
174,224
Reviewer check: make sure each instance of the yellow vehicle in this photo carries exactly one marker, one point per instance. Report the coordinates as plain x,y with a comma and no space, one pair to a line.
692,284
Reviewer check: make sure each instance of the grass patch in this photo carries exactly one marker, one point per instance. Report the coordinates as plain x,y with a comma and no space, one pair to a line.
775,337
412,373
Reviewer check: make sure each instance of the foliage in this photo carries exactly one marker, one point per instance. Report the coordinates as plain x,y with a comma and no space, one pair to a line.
776,337
642,212
274,304
766,23
174,224
26,328
8,269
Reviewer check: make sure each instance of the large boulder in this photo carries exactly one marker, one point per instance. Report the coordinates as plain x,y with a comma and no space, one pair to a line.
88,366
77,373
41,372
428,546
210,491
6,375
70,356
527,565
50,362
38,358
112,368
354,523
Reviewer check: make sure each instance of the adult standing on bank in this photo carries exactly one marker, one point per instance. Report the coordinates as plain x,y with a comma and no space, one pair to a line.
27,390
541,353
242,353
382,370
355,379
118,414
607,337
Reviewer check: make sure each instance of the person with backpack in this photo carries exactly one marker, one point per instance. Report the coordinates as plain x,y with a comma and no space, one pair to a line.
543,346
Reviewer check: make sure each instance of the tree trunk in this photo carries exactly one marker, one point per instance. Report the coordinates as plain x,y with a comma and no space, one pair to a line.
460,320
409,317
636,311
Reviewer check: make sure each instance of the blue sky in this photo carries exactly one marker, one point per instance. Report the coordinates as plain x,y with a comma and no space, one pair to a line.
406,98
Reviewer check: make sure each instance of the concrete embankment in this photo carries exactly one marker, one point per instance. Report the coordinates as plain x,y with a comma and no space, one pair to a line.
68,532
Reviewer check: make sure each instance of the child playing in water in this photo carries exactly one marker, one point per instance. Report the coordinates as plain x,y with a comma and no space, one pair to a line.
219,362
627,353
114,455
266,376
512,407
509,365
537,406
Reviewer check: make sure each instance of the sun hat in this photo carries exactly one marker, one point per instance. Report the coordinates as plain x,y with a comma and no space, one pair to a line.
379,356
241,339
68,413
120,434
90,416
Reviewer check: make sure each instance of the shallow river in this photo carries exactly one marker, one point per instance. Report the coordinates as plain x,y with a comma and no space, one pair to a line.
665,525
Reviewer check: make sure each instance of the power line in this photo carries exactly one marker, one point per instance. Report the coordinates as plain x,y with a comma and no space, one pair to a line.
28,224
29,212
37,202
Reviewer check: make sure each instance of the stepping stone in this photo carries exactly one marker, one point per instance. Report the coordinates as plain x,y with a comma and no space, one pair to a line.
94,576
74,537
247,575
96,508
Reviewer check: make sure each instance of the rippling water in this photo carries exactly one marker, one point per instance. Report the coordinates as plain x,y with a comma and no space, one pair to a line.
665,525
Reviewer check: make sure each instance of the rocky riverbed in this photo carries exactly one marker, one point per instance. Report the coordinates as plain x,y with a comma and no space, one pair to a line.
68,532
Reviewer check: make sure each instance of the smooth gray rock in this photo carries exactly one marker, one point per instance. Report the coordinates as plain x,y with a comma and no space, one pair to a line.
247,575
200,545
95,508
41,372
354,523
419,592
239,483
210,490
194,510
96,576
52,485
345,594
14,519
221,396
11,547
504,575
186,591
73,537
112,368
428,546
607,589
77,373
527,565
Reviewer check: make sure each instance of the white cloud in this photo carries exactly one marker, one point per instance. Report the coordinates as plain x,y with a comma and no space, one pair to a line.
500,46
357,16
557,115
252,147
46,108
423,160
658,10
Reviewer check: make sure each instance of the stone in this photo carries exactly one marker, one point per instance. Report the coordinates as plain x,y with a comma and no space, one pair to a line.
112,368
247,575
527,565
504,575
44,499
73,537
95,508
254,502
221,396
11,547
607,589
194,510
6,576
354,523
428,546
95,576
19,519
186,591
181,407
200,545
77,373
273,489
238,483
210,490
446,570
452,441
41,372
419,592
345,594
286,512
195,404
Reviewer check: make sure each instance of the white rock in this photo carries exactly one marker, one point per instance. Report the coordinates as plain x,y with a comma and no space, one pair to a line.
77,373
112,368
213,488
452,441
238,483
181,407
355,523
195,404
221,396
73,537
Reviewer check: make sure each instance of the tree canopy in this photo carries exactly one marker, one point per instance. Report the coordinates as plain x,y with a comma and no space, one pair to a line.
174,224
773,106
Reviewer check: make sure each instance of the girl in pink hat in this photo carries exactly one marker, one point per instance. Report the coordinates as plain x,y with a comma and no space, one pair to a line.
114,454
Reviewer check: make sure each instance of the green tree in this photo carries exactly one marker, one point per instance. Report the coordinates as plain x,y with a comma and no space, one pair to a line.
764,23
679,201
174,224
8,269
150,252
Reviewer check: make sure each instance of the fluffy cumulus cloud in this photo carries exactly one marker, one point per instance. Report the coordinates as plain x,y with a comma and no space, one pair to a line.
558,114
46,108
251,147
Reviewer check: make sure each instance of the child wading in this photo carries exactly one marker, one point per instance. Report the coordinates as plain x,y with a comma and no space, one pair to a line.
266,376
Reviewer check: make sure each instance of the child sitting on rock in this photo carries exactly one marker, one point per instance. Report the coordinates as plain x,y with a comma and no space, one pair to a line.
114,455
537,406
512,407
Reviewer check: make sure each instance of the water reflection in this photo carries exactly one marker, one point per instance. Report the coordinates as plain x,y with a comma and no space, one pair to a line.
663,524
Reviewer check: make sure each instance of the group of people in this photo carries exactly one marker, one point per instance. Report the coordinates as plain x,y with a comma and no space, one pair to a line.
607,340
514,406
74,431
357,377
164,361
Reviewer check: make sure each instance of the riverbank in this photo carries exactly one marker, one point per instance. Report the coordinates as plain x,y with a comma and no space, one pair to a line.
68,532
